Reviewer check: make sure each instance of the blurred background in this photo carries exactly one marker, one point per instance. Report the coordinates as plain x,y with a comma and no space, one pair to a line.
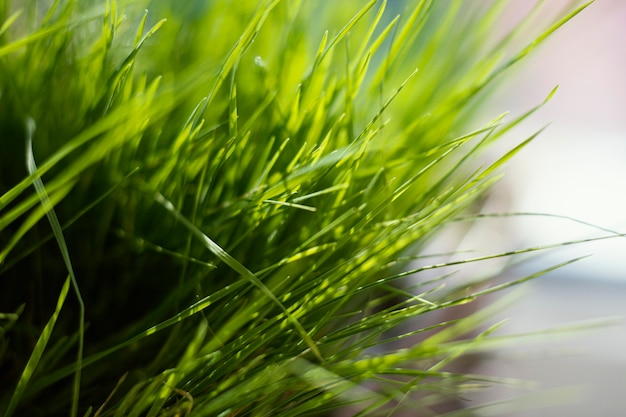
575,168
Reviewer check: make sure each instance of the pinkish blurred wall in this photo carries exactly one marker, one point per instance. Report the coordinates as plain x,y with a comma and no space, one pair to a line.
577,166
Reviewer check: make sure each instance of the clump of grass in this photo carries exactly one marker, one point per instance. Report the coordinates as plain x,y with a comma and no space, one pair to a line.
205,209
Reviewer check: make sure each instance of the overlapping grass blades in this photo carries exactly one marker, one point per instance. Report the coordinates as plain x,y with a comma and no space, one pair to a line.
237,186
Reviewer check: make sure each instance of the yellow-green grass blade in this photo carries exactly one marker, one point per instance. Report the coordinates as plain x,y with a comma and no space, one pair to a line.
240,269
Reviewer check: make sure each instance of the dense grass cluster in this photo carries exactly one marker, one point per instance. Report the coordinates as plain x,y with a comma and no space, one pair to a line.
214,214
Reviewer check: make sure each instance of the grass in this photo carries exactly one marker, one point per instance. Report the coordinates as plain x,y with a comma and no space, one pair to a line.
213,210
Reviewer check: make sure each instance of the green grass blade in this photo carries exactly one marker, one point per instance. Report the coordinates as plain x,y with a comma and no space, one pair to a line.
38,351
346,29
58,234
240,269
9,21
286,170
539,40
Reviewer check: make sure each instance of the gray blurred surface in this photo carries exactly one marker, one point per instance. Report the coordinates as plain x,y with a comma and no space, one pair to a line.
576,168
577,374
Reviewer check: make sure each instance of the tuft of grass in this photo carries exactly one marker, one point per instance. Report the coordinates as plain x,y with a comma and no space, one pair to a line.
234,191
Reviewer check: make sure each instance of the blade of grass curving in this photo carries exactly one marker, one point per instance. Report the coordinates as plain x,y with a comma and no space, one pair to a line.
323,379
441,343
233,114
29,202
376,339
105,125
503,286
541,38
332,189
293,205
58,234
487,257
45,32
402,40
242,44
590,324
120,77
344,31
240,269
467,347
361,54
455,168
34,217
510,125
536,42
194,309
21,43
503,159
130,399
363,64
381,206
68,7
40,347
12,318
110,397
518,29
536,214
387,103
182,368
9,21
